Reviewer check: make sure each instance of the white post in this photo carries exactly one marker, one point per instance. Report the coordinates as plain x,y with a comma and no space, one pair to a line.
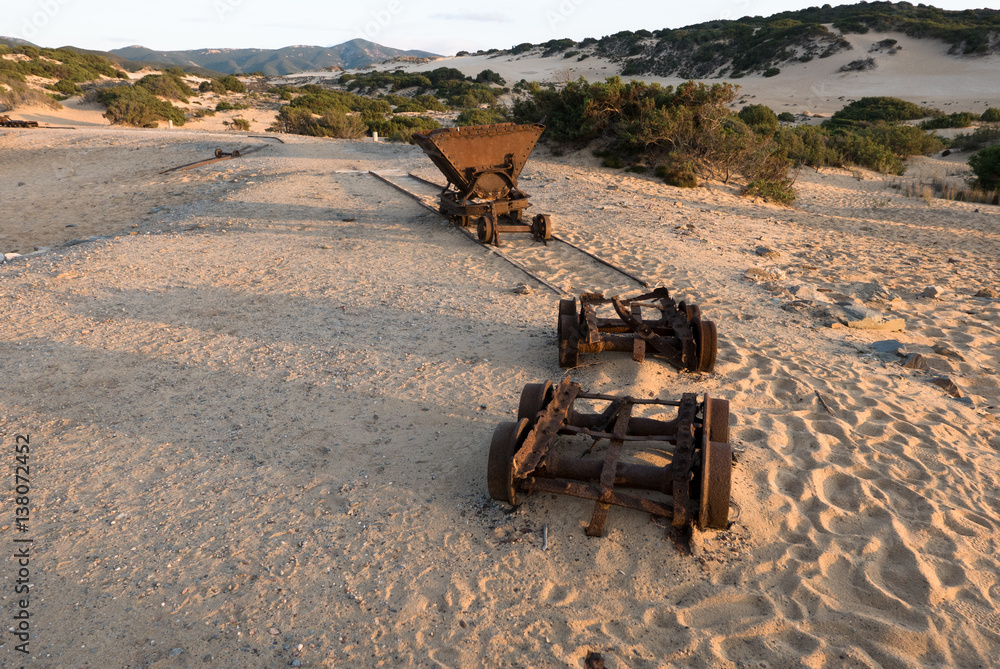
375,136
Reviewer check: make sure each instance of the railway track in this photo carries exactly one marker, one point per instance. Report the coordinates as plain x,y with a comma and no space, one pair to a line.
557,265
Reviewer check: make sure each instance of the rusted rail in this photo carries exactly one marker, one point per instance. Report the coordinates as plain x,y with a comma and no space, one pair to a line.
423,201
692,489
219,156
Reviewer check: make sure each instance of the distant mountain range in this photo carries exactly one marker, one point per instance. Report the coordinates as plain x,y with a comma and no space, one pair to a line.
274,62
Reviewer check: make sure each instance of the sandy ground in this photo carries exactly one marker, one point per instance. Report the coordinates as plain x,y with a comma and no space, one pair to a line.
259,419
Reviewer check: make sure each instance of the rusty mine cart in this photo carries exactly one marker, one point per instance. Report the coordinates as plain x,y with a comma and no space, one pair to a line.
696,481
676,332
482,164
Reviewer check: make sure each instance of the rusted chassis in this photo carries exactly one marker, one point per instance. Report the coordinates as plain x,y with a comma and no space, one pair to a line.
677,331
482,165
694,487
8,122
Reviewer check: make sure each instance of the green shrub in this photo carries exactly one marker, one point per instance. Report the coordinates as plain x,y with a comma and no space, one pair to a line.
212,86
231,83
430,103
882,109
401,128
955,120
239,124
786,117
776,191
482,116
979,138
679,177
991,115
137,106
344,126
169,86
772,72
985,164
66,87
614,162
489,76
228,106
759,117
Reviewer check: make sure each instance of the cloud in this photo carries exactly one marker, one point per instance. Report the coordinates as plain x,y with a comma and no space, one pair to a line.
492,17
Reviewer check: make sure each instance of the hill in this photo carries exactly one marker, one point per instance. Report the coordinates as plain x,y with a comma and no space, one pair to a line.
289,60
755,44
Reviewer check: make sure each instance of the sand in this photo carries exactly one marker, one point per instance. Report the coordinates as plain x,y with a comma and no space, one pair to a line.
260,415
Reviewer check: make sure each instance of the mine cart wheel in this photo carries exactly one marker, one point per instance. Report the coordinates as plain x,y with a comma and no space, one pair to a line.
707,340
716,485
534,397
235,153
569,353
485,227
692,311
218,153
542,226
718,428
507,438
567,307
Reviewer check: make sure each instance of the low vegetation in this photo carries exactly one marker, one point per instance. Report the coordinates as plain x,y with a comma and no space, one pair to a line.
137,106
689,133
446,83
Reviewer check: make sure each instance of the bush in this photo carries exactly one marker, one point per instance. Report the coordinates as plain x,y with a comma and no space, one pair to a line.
956,120
239,124
786,117
882,109
343,126
985,164
775,191
991,115
981,137
483,116
772,72
401,128
680,177
760,117
489,76
231,83
66,87
169,86
137,106
228,106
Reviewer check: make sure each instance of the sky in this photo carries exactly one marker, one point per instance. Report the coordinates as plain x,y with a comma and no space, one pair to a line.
439,27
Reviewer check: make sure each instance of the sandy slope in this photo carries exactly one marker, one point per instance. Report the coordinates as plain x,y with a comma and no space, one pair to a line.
921,72
260,429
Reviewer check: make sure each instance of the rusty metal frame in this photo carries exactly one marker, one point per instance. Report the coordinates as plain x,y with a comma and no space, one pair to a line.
694,488
677,333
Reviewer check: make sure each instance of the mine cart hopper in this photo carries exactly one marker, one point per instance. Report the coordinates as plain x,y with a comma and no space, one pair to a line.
676,331
8,122
693,487
482,164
